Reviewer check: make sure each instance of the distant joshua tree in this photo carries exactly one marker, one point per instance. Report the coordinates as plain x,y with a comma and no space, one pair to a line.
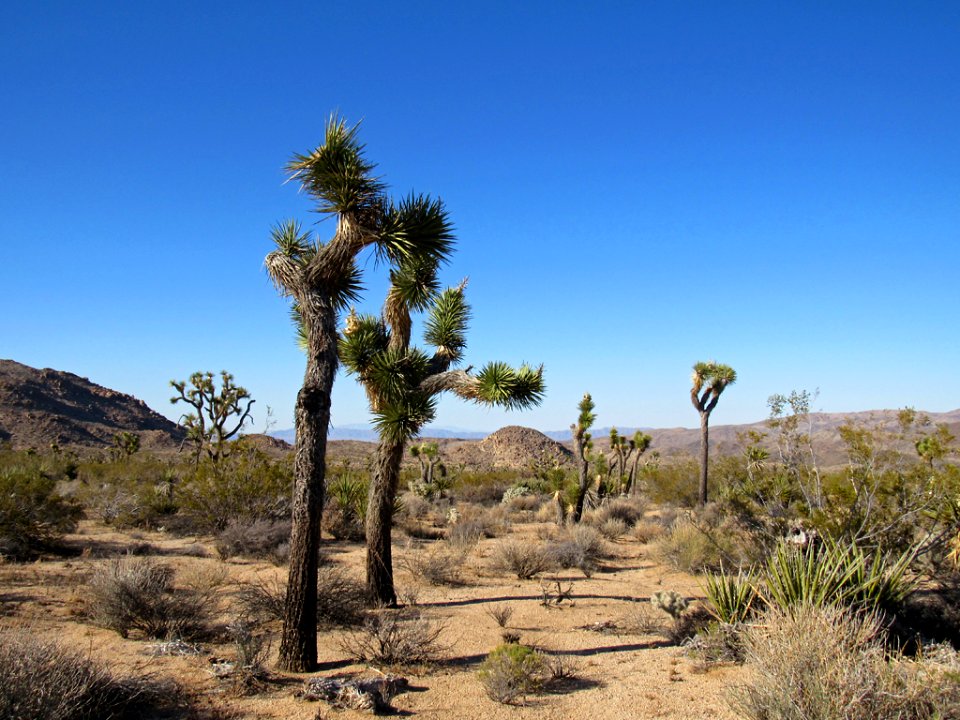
709,380
322,278
582,444
639,444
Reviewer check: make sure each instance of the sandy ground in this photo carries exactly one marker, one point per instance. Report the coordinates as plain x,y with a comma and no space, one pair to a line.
622,674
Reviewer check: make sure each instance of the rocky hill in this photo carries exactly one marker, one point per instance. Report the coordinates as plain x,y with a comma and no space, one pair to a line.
40,407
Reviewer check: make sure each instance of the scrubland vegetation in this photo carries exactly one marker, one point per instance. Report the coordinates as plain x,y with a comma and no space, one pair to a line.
836,588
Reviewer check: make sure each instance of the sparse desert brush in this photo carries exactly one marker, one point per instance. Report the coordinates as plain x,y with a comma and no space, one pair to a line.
42,679
32,514
613,528
524,559
645,531
341,600
440,563
627,509
825,662
137,594
253,538
395,638
511,672
580,546
696,547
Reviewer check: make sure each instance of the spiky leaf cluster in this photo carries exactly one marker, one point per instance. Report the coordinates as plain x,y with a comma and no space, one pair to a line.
512,388
708,381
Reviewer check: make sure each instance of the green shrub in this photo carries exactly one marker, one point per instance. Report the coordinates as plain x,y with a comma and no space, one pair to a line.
32,514
40,680
512,672
137,594
247,485
346,507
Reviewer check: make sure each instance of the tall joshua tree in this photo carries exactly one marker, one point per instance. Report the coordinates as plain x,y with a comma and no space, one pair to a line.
402,384
709,380
321,278
582,444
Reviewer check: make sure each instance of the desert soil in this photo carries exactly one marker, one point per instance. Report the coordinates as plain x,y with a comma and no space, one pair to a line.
624,673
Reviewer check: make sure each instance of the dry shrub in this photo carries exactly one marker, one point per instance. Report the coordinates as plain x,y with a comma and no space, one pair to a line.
390,637
825,662
501,614
41,679
695,548
32,514
645,531
137,594
260,538
579,547
493,522
645,621
524,503
341,600
465,533
248,673
627,510
613,528
525,559
439,564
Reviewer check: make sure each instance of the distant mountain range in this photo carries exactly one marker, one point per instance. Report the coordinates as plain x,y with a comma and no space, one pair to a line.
365,433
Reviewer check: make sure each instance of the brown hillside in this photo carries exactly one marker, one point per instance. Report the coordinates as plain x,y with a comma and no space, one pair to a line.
40,407
518,447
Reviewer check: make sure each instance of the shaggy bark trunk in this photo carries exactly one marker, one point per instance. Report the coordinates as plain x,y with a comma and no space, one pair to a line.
383,492
298,642
704,456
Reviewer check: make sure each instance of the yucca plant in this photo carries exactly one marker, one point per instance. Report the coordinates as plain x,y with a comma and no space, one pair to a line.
733,598
836,574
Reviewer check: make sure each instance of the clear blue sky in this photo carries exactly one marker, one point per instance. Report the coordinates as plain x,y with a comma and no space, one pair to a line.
636,186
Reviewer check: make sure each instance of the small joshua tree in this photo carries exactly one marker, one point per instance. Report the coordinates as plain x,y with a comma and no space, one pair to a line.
428,454
709,380
218,414
639,444
582,444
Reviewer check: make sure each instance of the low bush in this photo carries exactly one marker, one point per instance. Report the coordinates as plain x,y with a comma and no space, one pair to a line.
395,638
137,594
42,680
512,672
254,538
524,559
628,510
439,564
613,528
824,662
708,545
645,531
32,514
580,547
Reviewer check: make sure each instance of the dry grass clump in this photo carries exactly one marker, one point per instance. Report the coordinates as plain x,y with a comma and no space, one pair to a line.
395,638
137,594
501,614
613,528
525,559
439,564
41,679
626,509
695,548
824,662
645,531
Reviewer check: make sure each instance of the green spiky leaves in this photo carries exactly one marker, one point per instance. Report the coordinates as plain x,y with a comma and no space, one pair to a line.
337,174
711,378
500,384
446,327
417,225
415,281
363,339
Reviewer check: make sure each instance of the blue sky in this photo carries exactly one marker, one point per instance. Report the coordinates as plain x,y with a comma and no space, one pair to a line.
635,186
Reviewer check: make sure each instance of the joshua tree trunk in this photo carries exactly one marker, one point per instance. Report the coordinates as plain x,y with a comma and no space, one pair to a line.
298,642
583,466
383,493
704,456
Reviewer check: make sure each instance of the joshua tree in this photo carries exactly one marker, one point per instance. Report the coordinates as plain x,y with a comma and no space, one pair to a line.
207,427
429,456
402,385
709,380
321,278
639,444
582,444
